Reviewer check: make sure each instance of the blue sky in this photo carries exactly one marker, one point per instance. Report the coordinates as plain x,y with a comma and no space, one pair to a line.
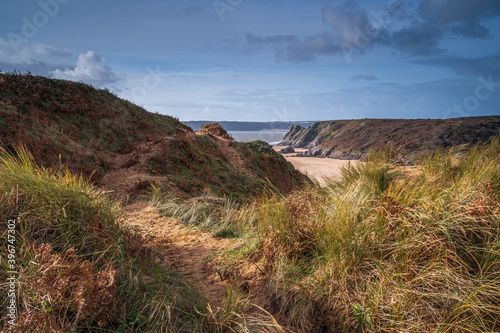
268,60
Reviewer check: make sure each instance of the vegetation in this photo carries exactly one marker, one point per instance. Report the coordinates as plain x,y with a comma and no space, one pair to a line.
95,133
208,212
78,267
382,250
279,174
81,270
200,165
63,122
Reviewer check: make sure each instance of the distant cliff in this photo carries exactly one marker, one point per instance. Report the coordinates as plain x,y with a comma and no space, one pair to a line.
352,138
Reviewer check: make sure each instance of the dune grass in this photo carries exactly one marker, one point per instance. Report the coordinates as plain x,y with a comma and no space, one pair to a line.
217,215
379,251
376,251
79,270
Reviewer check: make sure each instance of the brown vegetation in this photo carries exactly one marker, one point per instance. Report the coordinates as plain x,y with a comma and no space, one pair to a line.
380,250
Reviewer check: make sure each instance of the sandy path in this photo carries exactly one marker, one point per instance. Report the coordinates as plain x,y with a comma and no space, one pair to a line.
184,250
180,248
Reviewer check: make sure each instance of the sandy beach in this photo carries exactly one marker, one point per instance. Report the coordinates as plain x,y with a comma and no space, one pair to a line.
314,167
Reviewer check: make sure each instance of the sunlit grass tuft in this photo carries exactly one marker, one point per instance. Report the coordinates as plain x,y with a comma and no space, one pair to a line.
216,215
238,315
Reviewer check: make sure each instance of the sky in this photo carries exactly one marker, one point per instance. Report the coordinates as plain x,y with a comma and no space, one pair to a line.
272,60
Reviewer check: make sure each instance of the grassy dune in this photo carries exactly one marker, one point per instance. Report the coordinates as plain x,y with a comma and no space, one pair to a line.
383,251
93,132
81,270
380,250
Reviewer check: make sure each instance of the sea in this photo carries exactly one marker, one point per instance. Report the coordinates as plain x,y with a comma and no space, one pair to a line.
271,137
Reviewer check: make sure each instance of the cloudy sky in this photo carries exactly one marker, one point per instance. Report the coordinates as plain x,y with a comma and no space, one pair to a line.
267,60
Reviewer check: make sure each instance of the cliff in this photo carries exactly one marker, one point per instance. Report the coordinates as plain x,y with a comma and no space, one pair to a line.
351,139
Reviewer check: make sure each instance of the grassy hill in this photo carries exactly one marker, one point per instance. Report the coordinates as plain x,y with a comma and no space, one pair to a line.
104,138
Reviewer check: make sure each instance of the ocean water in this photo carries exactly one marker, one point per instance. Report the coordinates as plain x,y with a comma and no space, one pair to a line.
271,137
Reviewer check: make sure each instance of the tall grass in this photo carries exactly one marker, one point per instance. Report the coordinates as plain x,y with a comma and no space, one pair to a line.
79,269
238,315
379,251
209,213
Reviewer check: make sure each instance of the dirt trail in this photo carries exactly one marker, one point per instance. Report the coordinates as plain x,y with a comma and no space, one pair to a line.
184,250
180,248
126,175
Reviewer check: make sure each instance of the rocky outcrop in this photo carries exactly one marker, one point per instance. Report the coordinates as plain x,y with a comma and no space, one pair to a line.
299,137
287,150
352,139
328,153
215,130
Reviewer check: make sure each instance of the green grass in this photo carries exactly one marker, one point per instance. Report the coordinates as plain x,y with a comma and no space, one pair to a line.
381,251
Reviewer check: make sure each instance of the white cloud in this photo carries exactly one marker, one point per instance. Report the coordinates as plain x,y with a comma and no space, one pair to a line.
90,68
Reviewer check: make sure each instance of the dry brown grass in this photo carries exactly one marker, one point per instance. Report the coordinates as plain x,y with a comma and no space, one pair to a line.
64,281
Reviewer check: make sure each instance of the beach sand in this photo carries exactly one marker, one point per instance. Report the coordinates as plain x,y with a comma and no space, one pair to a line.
314,167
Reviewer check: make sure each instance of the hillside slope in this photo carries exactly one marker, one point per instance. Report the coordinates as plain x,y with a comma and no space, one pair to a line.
350,138
125,148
